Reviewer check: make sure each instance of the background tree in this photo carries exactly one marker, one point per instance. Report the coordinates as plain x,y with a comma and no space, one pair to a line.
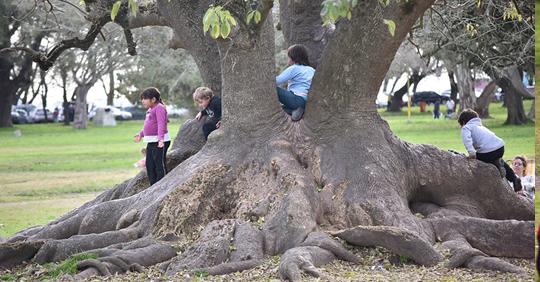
495,37
16,71
265,185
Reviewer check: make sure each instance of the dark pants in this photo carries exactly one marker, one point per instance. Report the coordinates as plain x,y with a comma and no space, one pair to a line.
156,161
493,157
207,128
289,101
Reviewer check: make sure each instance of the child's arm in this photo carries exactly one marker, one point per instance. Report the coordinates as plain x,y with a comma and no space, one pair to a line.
161,116
137,137
285,76
466,137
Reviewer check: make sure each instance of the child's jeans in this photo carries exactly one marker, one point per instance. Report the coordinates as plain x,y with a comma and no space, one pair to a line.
289,101
493,157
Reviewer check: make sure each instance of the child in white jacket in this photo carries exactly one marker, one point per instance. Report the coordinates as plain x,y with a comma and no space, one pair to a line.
484,145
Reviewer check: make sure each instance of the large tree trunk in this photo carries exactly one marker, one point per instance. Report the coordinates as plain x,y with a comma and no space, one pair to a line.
81,107
465,85
265,185
483,102
512,85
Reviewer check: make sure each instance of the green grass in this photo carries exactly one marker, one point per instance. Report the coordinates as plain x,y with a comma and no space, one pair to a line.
51,169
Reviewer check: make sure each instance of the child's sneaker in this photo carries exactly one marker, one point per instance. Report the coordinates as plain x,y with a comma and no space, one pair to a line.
500,167
517,184
297,114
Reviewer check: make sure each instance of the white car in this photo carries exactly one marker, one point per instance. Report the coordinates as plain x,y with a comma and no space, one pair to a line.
117,113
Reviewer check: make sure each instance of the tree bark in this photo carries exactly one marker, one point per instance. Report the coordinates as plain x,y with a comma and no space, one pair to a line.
465,85
483,102
81,106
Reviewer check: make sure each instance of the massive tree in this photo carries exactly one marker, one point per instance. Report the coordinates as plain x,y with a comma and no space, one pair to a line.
262,184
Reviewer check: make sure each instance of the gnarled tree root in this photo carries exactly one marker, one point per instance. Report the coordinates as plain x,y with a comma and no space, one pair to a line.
213,252
398,240
57,250
12,254
465,238
318,249
124,257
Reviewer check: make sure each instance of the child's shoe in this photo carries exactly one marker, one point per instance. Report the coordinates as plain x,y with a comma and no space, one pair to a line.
297,114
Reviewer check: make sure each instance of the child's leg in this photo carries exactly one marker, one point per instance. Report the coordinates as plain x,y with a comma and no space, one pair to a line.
150,165
290,101
207,128
160,159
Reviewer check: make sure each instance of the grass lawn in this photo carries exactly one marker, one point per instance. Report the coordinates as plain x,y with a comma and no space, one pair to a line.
51,169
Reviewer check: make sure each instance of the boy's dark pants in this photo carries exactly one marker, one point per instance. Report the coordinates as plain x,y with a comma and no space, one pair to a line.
207,128
156,161
493,157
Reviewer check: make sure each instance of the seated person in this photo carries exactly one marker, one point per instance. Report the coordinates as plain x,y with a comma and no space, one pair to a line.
519,166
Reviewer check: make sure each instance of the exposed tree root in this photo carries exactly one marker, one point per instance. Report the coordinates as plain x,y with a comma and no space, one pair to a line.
120,258
12,254
318,249
398,240
213,252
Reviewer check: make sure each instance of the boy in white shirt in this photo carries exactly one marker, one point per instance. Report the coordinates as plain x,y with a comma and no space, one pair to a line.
484,145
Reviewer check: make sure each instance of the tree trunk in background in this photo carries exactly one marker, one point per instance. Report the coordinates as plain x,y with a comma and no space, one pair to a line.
398,95
465,85
453,86
81,107
110,95
483,102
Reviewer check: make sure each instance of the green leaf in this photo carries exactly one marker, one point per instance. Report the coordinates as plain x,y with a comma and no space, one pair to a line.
250,16
391,26
257,16
215,31
81,2
225,29
115,9
354,3
231,20
133,7
333,13
349,15
324,11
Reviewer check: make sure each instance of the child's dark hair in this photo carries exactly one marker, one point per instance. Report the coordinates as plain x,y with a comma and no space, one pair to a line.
466,115
299,54
152,92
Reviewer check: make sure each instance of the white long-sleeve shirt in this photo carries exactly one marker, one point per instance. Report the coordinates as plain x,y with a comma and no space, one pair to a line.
477,138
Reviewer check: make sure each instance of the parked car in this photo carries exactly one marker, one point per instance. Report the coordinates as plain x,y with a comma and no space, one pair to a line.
15,117
175,112
23,116
117,113
428,97
30,110
446,95
138,112
40,116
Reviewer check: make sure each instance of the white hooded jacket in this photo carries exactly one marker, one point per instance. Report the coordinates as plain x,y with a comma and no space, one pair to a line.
477,138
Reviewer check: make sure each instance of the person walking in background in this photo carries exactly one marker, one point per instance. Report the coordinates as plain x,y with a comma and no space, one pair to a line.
298,77
449,108
155,134
211,106
519,166
437,109
484,145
